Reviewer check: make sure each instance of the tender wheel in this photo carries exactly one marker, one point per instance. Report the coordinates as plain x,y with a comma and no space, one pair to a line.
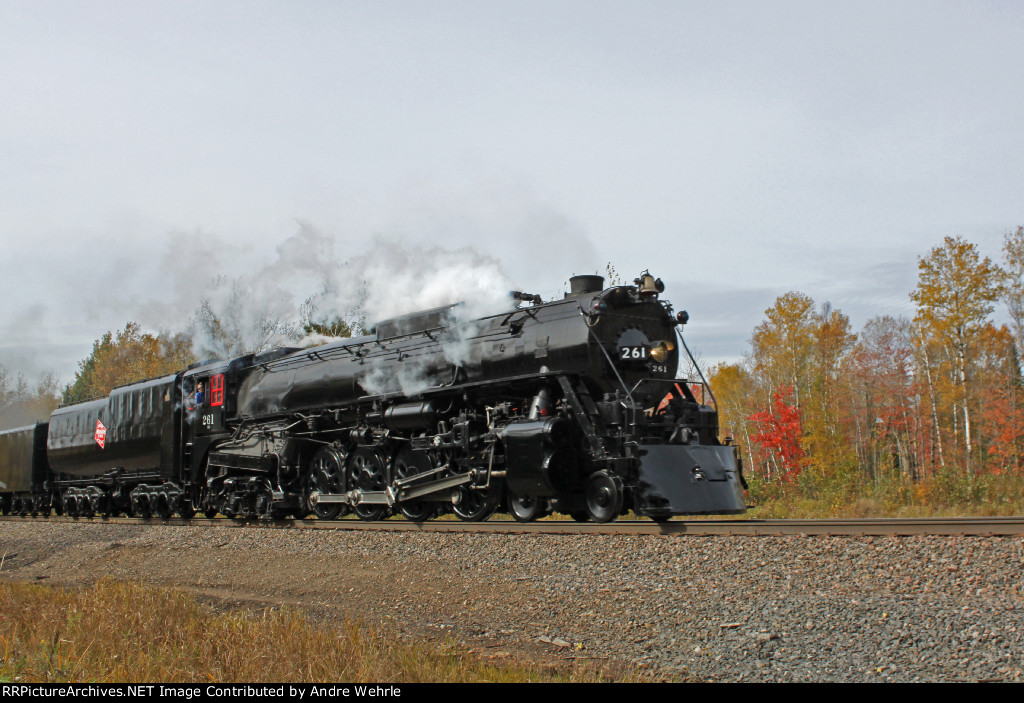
477,506
524,508
366,473
409,463
185,509
163,506
604,496
210,513
326,475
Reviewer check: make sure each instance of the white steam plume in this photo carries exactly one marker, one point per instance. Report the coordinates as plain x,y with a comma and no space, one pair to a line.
308,282
401,280
394,279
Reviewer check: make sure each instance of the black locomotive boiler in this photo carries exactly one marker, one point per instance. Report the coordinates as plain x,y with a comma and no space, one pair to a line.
569,406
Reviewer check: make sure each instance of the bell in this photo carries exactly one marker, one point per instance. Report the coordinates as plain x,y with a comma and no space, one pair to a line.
649,285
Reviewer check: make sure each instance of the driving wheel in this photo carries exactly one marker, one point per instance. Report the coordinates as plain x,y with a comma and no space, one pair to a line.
408,463
366,473
477,505
326,475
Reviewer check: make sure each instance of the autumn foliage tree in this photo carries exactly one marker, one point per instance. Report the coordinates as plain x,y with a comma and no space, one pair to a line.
780,433
1000,426
736,403
955,293
1013,289
782,347
881,410
797,358
125,357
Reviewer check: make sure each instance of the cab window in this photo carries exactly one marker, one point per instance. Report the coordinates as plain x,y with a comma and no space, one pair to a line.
217,390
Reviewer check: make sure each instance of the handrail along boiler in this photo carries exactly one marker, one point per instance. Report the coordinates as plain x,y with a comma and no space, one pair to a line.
568,406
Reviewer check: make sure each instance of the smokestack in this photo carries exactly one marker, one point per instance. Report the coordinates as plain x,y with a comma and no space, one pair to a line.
581,285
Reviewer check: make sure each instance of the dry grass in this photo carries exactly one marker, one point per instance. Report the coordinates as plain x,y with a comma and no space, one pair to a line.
951,494
130,633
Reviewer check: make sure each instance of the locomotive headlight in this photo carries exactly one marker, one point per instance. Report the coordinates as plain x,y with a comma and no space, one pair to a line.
661,350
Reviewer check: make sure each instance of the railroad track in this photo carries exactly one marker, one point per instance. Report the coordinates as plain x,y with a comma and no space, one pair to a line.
986,526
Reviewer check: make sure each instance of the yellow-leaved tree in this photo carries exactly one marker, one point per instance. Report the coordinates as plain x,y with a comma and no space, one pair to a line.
799,352
956,288
1013,290
125,357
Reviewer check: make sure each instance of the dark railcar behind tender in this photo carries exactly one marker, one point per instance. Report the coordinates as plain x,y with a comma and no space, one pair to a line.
23,469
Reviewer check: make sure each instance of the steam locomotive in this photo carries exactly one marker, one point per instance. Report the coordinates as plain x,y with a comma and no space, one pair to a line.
570,406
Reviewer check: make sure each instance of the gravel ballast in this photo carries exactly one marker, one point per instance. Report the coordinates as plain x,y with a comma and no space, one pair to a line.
691,608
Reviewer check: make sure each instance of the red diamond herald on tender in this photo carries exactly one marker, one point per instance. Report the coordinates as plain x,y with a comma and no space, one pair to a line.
101,434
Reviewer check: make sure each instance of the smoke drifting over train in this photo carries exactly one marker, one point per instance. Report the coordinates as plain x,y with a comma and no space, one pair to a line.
309,280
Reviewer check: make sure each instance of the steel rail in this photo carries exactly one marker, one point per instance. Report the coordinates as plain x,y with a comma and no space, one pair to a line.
985,526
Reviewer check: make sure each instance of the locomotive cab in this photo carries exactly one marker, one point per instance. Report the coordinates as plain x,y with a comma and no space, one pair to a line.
209,393
229,474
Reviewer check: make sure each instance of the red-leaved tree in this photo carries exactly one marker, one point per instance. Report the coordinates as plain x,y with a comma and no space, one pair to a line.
781,431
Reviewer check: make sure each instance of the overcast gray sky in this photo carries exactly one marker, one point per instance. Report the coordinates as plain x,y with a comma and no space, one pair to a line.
737,149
